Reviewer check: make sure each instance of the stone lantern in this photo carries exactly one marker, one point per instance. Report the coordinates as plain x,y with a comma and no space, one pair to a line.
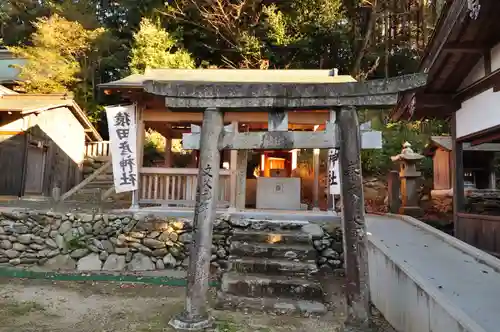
409,175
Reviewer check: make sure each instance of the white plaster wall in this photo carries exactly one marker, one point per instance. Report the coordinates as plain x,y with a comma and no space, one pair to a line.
478,113
65,130
495,57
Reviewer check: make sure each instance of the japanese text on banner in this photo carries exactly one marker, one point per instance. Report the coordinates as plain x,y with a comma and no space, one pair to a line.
122,134
333,171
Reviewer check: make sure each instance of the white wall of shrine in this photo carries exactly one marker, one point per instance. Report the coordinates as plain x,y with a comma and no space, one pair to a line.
479,113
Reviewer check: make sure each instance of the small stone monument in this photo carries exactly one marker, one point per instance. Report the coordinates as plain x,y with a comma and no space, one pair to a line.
409,180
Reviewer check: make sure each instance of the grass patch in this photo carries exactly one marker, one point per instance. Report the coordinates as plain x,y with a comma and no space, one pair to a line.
16,309
159,323
227,326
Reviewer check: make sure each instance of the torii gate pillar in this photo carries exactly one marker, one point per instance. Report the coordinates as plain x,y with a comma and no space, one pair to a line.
195,316
353,219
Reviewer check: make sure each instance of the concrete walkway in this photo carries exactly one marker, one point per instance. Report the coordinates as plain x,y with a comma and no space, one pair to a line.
466,277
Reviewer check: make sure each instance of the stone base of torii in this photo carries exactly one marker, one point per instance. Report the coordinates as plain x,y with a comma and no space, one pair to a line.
215,98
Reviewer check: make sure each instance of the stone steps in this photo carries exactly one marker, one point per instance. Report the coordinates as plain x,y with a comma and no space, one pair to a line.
280,237
300,252
254,285
271,266
272,304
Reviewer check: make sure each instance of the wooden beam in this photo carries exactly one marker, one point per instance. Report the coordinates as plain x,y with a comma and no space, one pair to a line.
312,117
490,81
457,170
435,100
85,182
455,15
487,61
418,104
284,140
465,47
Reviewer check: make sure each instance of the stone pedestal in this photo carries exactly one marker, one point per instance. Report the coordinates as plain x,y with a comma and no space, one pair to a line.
409,176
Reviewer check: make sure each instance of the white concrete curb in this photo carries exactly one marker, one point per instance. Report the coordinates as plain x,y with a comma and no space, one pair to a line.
479,255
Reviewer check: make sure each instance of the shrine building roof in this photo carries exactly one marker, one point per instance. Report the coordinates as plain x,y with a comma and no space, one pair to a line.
298,76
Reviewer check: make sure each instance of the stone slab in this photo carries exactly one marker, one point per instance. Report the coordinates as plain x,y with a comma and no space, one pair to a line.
272,266
253,285
283,237
267,250
274,305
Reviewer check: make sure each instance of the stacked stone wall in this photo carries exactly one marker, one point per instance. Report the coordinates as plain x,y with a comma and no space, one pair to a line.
121,243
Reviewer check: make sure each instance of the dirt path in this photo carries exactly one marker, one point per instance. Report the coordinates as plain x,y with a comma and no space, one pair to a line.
43,306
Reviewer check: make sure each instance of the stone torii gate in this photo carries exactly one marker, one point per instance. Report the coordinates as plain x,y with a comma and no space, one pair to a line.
214,98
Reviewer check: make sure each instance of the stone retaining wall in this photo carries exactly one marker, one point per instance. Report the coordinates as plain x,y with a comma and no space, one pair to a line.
103,242
328,244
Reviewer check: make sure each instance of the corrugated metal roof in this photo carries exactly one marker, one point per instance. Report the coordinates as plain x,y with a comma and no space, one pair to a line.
6,91
9,73
30,103
300,76
442,141
446,143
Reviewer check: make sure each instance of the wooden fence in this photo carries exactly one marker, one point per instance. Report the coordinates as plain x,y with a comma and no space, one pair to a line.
97,149
176,186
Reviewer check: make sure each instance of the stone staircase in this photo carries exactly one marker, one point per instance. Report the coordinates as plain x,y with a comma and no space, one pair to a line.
272,271
93,191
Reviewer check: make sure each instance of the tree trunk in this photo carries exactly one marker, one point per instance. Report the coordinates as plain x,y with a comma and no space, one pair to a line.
365,41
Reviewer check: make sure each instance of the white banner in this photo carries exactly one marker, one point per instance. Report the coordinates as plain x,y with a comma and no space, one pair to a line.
122,135
333,171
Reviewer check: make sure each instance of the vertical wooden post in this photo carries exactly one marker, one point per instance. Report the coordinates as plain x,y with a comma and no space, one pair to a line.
140,136
493,177
195,316
353,220
168,152
316,179
241,179
457,169
233,165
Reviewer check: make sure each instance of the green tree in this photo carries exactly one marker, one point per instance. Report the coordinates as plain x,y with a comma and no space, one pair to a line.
54,59
154,47
60,59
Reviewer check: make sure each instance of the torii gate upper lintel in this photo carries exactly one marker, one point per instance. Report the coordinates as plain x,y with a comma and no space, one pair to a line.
189,95
213,98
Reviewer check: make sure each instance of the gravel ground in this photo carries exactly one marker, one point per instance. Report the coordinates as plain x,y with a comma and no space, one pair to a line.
47,306
43,306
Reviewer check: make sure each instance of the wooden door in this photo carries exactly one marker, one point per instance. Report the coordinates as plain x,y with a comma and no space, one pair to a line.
442,176
11,164
35,169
